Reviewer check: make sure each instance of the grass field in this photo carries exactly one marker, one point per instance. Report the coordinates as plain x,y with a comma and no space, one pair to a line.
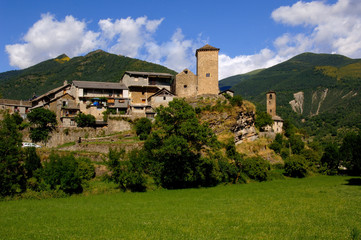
319,207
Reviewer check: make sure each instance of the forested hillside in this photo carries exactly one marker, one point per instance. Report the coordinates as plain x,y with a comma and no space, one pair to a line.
95,66
322,90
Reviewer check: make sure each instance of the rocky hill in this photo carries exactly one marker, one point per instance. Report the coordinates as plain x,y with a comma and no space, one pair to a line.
321,91
95,66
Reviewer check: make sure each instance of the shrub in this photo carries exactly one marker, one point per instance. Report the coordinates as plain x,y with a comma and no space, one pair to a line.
256,168
262,120
295,166
86,169
236,100
85,120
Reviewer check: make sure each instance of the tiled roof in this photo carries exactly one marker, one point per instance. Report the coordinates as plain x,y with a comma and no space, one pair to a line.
207,47
15,102
51,91
149,74
99,85
277,118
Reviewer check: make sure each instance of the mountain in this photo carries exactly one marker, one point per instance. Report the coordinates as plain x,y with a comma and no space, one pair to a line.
322,92
95,66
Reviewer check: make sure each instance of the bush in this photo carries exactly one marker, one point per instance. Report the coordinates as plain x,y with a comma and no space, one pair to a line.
295,166
256,168
86,169
236,100
85,120
262,120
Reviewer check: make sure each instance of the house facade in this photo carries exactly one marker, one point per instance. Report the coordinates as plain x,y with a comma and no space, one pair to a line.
15,106
96,97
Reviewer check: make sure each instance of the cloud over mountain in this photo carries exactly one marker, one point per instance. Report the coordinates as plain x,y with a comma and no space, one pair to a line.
326,27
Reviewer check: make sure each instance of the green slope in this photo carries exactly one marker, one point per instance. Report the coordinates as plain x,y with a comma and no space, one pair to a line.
330,84
95,66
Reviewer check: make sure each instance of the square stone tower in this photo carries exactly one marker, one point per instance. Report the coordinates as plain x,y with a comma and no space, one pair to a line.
271,103
207,70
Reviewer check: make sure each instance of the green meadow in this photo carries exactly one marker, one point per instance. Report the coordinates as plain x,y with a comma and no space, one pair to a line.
321,207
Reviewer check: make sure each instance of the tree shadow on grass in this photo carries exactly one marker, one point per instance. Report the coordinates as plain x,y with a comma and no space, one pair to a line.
354,182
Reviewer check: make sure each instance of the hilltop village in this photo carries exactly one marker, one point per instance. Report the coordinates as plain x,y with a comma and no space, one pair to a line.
136,95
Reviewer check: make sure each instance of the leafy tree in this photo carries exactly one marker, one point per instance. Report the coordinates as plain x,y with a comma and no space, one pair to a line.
127,173
32,161
296,143
295,166
331,158
256,168
61,172
85,120
43,122
179,148
277,144
350,152
12,174
143,126
263,119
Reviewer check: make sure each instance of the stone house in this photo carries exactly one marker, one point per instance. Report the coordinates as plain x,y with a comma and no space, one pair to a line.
141,86
61,102
161,97
96,97
15,106
186,84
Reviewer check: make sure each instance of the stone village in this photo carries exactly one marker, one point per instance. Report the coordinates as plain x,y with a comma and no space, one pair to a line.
136,95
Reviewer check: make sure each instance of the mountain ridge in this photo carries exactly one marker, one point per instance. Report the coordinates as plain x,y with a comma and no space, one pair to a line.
97,65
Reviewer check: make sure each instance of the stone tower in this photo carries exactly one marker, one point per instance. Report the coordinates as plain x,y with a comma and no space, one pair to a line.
207,70
271,103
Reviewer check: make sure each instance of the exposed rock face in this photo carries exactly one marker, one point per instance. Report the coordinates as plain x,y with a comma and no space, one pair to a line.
317,99
244,129
239,123
297,103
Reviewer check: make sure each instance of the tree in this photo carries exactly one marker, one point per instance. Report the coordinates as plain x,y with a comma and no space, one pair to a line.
179,147
43,122
143,126
295,166
12,174
85,120
331,158
350,152
263,119
256,168
62,172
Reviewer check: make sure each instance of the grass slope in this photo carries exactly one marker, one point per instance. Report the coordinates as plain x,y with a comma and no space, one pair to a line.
320,207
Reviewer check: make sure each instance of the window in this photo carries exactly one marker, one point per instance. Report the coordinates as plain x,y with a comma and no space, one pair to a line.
143,93
185,86
208,74
164,98
270,96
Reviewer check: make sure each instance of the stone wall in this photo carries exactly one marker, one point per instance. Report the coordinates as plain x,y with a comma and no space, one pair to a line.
72,134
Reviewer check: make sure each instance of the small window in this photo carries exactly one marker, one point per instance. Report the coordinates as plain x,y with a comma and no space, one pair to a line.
208,74
185,86
164,98
270,96
186,71
143,93
270,110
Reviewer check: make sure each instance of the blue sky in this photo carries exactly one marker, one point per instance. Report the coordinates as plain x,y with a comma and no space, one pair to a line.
250,34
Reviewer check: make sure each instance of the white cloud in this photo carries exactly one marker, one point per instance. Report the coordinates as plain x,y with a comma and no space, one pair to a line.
330,28
335,28
48,38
